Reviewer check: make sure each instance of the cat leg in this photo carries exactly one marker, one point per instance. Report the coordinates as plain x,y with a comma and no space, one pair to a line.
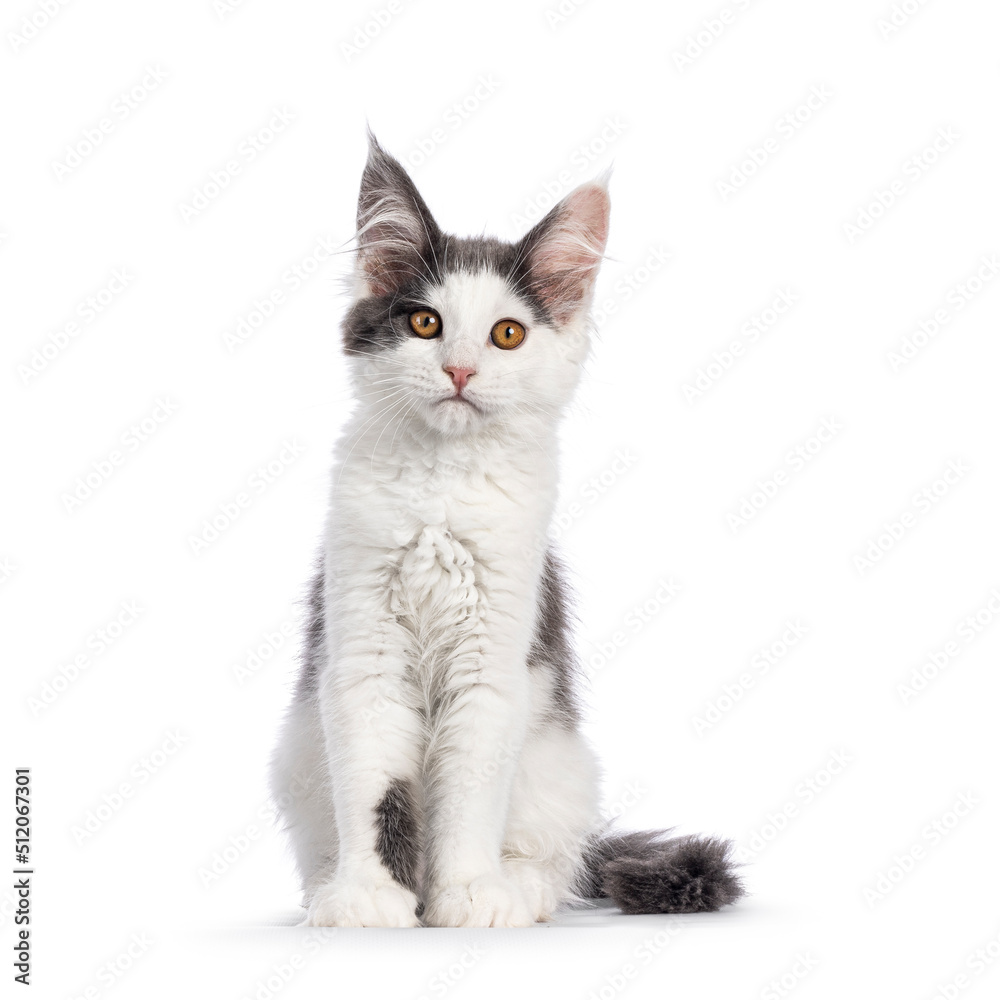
554,807
472,756
374,736
300,790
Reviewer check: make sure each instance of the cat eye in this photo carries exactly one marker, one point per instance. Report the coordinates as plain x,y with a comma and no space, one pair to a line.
507,334
425,323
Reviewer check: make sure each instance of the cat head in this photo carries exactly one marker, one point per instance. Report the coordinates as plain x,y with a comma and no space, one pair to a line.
468,334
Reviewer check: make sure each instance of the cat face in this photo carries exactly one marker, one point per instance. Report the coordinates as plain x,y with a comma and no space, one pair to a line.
468,335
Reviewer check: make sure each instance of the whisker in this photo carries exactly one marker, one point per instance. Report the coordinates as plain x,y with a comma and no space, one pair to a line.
381,432
359,434
402,421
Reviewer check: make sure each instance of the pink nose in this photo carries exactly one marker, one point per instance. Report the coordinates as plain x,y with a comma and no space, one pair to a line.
459,376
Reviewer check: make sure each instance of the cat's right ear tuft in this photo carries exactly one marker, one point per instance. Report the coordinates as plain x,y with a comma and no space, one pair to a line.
396,232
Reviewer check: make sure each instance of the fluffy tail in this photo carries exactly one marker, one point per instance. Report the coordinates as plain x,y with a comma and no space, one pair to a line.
650,873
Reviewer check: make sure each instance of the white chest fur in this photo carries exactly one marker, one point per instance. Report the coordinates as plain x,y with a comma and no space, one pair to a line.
440,534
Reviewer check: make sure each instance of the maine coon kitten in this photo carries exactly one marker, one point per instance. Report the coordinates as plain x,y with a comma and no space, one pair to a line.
431,765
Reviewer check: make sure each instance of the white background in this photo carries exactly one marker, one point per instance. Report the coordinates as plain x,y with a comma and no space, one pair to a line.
860,770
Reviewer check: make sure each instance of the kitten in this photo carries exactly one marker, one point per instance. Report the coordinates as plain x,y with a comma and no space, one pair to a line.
431,766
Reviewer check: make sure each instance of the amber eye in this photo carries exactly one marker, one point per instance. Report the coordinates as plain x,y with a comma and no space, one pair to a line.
425,323
508,334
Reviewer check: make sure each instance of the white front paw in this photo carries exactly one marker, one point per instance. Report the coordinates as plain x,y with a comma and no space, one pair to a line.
485,901
541,888
342,903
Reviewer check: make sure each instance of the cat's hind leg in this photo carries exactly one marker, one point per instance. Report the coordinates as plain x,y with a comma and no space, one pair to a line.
300,790
553,810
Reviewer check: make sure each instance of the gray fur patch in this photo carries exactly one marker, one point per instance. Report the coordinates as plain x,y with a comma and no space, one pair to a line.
397,840
551,645
313,636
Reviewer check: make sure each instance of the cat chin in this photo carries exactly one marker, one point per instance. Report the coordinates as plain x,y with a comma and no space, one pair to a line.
454,417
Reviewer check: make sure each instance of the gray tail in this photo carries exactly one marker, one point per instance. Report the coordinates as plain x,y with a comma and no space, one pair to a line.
649,872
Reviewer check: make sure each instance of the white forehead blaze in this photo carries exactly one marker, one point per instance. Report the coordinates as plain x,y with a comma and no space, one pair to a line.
470,305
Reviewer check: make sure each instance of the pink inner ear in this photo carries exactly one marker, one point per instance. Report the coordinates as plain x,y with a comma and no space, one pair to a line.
565,261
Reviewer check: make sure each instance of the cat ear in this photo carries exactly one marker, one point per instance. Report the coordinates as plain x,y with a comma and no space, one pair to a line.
564,250
396,231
